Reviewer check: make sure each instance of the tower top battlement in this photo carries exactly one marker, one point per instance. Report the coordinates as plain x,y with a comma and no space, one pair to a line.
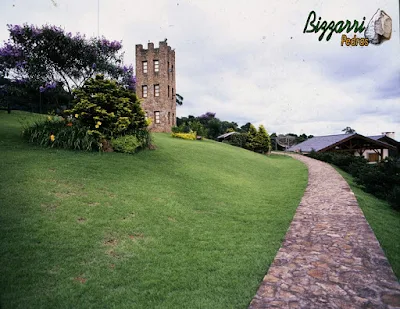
162,45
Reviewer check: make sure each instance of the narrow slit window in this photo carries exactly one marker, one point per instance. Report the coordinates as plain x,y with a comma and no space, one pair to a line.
156,66
157,117
156,90
144,91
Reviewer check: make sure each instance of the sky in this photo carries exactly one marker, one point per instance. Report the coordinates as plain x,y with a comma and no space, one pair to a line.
248,60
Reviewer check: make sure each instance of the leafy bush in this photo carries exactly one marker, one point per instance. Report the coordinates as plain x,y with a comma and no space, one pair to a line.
58,133
107,108
175,129
394,197
238,140
127,144
197,126
346,162
381,179
189,136
373,180
191,126
144,137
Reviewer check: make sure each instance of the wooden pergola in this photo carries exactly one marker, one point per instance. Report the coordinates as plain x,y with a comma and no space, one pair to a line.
358,143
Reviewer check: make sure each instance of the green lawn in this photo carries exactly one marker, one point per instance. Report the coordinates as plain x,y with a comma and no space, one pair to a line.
384,221
193,224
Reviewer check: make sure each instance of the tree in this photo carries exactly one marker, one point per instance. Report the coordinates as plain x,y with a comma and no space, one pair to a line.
263,140
251,142
214,128
301,138
48,56
226,125
205,118
107,109
245,128
348,130
197,127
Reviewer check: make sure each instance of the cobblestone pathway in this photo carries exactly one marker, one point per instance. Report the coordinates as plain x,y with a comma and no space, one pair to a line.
330,257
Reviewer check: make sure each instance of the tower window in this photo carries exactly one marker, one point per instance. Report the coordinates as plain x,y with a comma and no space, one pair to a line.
145,116
157,117
169,117
156,66
168,91
172,93
144,91
144,66
173,119
156,90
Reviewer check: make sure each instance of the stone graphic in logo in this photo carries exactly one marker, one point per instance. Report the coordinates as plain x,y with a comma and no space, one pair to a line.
379,28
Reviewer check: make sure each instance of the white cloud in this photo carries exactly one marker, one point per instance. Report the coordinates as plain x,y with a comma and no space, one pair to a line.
249,61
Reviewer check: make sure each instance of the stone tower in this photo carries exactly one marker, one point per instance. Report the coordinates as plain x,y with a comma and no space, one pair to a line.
155,84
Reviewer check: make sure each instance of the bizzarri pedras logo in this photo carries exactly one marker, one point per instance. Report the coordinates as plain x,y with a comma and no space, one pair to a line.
378,29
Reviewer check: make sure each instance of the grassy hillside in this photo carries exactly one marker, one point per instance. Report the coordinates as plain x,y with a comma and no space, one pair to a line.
193,224
384,220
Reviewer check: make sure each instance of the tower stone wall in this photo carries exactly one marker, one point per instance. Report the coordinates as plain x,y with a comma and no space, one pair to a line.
161,108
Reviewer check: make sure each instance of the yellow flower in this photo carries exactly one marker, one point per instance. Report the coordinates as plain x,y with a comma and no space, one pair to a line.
52,138
96,126
99,123
48,118
76,115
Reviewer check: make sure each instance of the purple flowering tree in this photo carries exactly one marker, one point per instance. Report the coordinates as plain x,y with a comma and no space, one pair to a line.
47,57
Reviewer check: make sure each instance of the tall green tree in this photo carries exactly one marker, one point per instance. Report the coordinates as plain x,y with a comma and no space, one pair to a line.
263,140
251,142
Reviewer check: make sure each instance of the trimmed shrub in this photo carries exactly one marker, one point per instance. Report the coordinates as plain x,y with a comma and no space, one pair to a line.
189,136
346,162
175,129
394,197
381,179
238,140
126,144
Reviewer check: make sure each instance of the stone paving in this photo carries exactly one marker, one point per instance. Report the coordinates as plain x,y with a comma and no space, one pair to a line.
330,257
